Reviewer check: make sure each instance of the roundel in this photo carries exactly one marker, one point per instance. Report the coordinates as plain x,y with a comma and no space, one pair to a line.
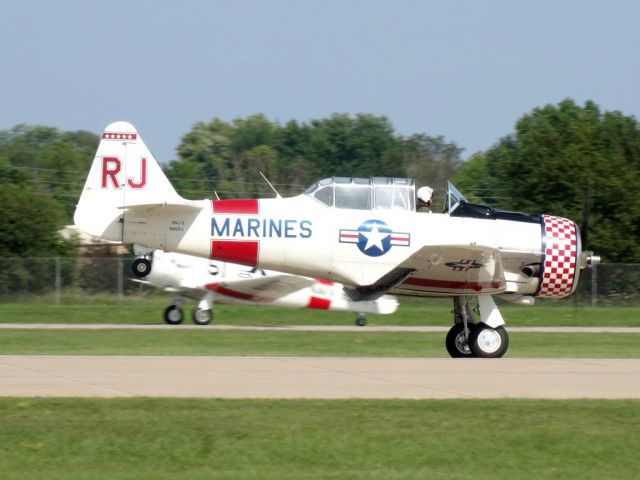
374,238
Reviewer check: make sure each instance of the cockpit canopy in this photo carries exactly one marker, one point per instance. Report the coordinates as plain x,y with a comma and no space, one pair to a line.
375,193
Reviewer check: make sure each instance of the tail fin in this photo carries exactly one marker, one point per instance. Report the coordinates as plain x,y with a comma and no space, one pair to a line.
123,174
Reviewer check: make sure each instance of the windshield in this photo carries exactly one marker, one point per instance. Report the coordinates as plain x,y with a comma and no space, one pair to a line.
452,198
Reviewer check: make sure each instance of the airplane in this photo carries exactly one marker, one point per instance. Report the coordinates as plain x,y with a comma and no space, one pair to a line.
209,280
362,232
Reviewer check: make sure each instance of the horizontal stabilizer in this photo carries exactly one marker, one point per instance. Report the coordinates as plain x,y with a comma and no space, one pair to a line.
182,206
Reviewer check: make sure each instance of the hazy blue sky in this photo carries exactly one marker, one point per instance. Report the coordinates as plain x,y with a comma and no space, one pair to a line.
460,68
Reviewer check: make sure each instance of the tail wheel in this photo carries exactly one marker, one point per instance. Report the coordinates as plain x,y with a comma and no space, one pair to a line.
141,267
487,342
456,341
201,316
173,315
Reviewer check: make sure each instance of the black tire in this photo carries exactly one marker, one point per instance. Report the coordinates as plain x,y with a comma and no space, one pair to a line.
487,342
456,346
361,321
173,315
201,316
141,267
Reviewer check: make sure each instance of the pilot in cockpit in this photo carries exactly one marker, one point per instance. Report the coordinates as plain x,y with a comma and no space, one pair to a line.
425,196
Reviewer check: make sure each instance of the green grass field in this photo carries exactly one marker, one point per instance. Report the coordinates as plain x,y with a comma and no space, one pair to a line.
364,343
148,438
411,312
291,343
279,440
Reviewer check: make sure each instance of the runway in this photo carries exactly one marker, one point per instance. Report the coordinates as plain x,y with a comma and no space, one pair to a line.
318,377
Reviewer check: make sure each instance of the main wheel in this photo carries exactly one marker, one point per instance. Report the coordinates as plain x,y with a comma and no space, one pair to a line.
173,315
456,342
201,316
487,342
361,321
141,267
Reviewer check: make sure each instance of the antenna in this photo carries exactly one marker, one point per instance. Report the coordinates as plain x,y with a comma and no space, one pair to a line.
216,194
269,183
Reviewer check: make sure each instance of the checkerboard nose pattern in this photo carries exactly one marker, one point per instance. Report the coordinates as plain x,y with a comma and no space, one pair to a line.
560,257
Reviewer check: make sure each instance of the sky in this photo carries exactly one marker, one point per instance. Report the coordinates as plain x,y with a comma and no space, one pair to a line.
463,69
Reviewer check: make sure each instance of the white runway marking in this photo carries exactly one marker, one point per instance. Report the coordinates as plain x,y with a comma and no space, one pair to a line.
316,377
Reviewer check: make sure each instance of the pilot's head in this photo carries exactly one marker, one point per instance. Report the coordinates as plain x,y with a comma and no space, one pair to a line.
424,194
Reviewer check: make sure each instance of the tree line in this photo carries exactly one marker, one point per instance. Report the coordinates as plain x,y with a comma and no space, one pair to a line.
567,159
226,157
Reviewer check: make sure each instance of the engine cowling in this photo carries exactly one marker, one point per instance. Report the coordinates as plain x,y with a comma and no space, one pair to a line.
560,266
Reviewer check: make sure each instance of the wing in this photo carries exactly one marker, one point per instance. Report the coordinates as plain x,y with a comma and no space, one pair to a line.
440,270
262,289
459,270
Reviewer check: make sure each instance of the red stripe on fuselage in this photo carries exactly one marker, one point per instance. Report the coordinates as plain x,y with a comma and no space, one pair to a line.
244,253
318,303
454,285
249,206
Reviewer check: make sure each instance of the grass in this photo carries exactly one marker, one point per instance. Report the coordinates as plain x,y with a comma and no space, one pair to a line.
411,312
291,343
342,439
147,438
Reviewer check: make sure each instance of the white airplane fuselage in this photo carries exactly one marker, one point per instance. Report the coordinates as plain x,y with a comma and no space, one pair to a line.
302,237
228,282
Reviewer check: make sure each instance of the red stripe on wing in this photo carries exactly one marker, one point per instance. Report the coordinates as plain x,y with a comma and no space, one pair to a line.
227,292
454,285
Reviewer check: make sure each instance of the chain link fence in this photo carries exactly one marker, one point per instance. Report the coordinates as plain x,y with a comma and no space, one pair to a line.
66,280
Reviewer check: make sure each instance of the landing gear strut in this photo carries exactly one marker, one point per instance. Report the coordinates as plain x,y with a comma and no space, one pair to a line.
361,321
203,313
485,339
457,341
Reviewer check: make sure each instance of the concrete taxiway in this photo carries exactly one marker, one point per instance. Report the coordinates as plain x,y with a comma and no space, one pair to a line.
315,377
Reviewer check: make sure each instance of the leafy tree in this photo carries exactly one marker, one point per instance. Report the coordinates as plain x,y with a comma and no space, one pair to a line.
229,156
30,219
28,229
55,163
573,161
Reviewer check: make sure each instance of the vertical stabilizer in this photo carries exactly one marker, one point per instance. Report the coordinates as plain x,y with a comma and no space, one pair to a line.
123,173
